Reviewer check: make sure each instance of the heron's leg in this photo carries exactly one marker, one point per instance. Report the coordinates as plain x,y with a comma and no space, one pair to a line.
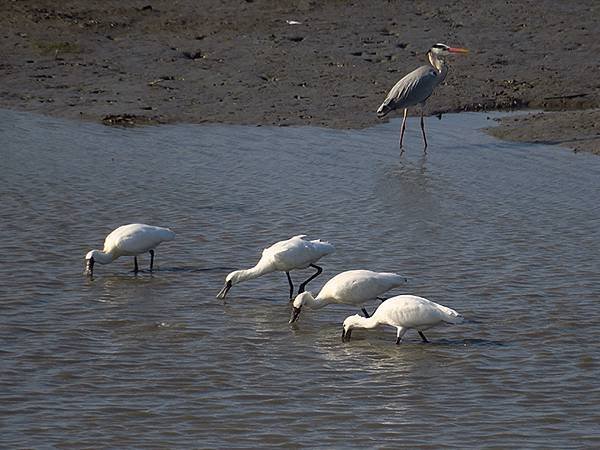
315,275
399,334
423,130
423,336
363,309
135,265
403,127
291,286
151,260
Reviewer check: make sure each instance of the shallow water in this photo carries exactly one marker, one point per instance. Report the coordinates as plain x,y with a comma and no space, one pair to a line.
505,233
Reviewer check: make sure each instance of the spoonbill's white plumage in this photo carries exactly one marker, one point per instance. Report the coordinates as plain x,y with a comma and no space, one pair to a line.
353,287
283,256
129,240
404,312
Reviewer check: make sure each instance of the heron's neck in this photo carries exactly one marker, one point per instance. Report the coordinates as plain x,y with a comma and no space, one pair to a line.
440,65
104,257
436,61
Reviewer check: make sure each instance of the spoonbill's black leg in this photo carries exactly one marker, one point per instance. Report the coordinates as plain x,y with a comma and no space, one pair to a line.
365,312
399,334
151,260
291,286
423,336
135,265
315,275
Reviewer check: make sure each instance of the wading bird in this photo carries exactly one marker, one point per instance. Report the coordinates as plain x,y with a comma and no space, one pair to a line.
283,256
353,287
403,312
416,87
128,240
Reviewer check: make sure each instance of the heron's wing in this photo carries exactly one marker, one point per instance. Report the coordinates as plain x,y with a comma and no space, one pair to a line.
413,89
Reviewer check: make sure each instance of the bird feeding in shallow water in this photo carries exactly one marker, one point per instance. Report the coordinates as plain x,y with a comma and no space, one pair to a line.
283,256
128,240
416,87
403,312
353,287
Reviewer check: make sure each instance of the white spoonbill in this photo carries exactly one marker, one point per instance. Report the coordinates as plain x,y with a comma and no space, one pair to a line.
129,240
404,312
353,287
283,256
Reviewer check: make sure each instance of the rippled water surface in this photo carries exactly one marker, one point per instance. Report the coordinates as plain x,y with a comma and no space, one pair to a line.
505,233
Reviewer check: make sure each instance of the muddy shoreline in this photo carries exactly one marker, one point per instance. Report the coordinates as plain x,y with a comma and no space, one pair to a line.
140,62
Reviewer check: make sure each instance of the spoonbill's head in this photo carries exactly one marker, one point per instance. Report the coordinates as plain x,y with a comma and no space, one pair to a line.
300,300
350,323
89,262
230,280
441,50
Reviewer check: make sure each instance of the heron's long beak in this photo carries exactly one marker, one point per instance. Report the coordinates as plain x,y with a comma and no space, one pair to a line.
458,50
89,267
346,335
295,314
223,292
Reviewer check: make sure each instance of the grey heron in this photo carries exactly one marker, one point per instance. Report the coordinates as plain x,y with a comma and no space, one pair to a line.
416,87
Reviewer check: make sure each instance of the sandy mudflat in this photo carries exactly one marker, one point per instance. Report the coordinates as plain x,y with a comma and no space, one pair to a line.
131,62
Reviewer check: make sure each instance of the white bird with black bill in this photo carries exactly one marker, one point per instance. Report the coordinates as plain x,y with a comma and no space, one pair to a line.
129,240
283,256
353,287
403,312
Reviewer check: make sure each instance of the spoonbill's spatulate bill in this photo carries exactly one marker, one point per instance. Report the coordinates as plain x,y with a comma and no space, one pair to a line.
416,87
403,312
353,287
129,240
283,256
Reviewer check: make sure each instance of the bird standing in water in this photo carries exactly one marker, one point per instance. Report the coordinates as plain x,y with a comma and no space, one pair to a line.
403,312
416,87
353,287
128,240
283,256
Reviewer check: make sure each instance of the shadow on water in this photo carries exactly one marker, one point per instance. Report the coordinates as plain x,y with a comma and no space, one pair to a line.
147,272
469,342
254,301
411,168
408,184
415,341
191,269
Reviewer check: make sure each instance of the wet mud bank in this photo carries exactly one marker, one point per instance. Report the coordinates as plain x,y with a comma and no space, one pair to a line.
300,63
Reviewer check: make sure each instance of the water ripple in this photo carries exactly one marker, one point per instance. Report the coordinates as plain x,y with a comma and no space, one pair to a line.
504,233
